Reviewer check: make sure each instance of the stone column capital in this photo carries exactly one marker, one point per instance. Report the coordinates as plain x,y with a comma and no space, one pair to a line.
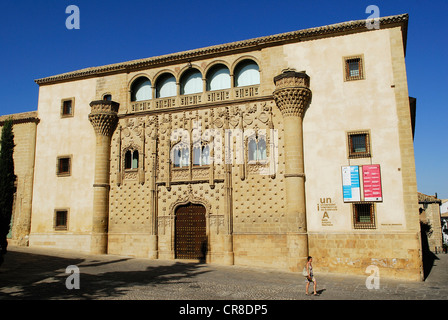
292,93
104,117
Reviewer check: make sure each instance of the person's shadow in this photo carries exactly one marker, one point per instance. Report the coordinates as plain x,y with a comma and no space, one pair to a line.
319,292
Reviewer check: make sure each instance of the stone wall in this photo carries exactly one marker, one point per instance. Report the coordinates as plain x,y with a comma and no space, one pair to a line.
24,129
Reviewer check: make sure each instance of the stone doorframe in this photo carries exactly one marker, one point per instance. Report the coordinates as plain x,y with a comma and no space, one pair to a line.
189,198
191,213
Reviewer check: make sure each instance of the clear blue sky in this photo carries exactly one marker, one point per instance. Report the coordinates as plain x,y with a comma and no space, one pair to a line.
35,43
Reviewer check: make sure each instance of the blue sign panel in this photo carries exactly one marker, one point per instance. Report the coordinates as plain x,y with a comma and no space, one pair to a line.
350,184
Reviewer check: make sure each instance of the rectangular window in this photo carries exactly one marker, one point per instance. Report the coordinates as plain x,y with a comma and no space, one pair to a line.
353,68
64,166
358,144
61,219
364,215
67,107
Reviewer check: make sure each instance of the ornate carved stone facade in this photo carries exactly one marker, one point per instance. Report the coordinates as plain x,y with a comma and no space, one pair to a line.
252,142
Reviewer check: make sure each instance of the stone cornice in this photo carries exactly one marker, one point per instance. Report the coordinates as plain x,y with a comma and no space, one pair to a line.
20,118
424,198
229,48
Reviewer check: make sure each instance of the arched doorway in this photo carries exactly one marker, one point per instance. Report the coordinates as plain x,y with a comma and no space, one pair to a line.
191,232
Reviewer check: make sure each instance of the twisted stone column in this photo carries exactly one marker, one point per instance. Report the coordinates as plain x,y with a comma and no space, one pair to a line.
293,96
104,119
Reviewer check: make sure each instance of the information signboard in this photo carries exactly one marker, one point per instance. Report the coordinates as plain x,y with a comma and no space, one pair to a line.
350,184
371,177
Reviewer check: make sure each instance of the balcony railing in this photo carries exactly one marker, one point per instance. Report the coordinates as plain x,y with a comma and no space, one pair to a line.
140,106
191,99
246,92
163,103
195,99
221,95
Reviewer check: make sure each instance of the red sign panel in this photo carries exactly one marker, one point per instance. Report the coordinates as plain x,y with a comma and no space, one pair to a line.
371,175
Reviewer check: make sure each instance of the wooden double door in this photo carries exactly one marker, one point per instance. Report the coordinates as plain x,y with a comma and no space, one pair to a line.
191,232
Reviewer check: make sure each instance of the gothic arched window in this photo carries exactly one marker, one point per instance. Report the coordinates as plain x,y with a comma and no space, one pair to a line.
261,150
131,159
201,155
180,155
252,150
257,149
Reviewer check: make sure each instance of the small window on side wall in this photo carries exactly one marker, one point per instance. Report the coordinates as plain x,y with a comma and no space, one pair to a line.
61,219
67,107
364,215
354,68
358,144
63,167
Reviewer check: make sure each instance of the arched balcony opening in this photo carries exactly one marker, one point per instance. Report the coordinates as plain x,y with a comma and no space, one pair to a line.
247,73
141,89
191,82
166,86
218,78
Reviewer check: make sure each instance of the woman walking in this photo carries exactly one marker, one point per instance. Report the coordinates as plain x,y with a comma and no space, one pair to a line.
310,276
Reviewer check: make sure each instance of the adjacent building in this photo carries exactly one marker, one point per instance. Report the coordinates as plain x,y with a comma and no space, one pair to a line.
24,130
444,222
430,215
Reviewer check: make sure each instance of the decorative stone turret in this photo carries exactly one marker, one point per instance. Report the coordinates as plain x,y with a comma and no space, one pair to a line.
293,96
292,93
104,118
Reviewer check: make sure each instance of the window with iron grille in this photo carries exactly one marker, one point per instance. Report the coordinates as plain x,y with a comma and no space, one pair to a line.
64,166
364,215
353,68
67,107
358,144
61,219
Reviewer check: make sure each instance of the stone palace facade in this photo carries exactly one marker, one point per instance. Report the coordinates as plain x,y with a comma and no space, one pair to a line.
258,152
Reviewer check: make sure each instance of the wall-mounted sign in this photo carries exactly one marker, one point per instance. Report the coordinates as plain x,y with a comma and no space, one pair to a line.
371,177
350,184
327,206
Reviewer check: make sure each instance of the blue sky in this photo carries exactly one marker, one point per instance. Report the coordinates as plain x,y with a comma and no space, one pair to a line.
35,43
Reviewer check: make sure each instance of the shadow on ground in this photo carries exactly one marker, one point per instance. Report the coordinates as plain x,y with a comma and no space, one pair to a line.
428,256
40,277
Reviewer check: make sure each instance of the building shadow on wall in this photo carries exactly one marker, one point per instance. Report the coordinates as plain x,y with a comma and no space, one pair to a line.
427,255
26,276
